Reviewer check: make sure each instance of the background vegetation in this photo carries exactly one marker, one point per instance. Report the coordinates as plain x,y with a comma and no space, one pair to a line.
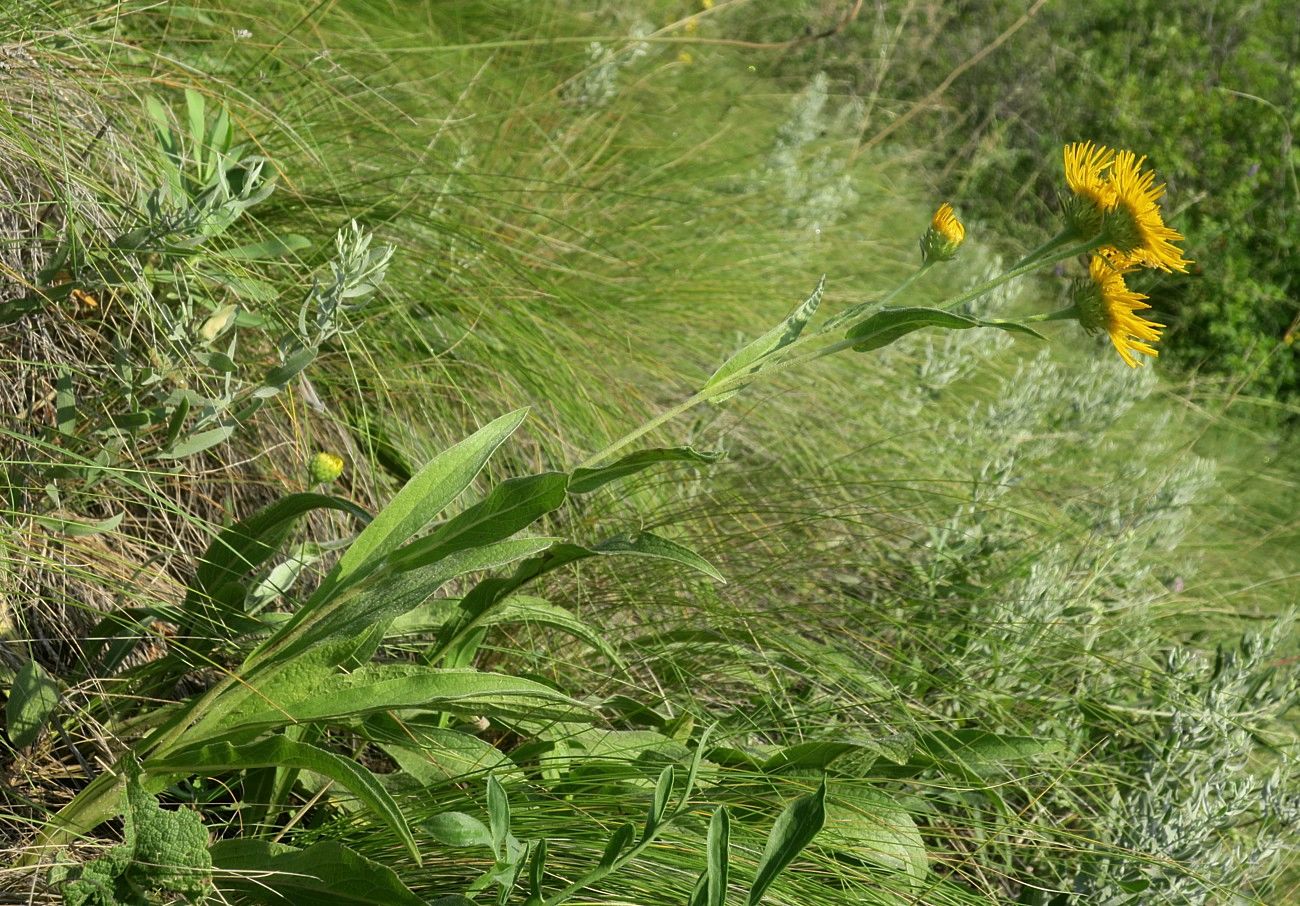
1026,613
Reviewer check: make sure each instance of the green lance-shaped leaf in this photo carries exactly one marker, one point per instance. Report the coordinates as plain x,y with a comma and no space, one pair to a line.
618,842
536,872
482,598
659,801
197,443
368,608
267,249
498,816
435,615
76,529
458,829
712,887
794,830
279,377
510,507
314,695
425,496
867,824
750,357
584,481
348,625
282,752
889,324
814,755
32,699
970,752
324,874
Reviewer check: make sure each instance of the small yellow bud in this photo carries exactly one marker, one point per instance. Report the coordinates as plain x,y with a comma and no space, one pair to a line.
324,467
944,237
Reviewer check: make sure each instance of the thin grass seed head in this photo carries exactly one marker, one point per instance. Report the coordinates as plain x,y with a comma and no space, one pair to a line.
1134,225
1104,302
944,236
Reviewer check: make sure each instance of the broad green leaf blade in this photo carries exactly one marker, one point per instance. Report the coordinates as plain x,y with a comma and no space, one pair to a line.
647,544
749,358
659,801
619,841
979,751
434,616
794,830
267,249
426,495
719,839
197,443
32,699
485,596
458,829
536,873
865,823
194,109
584,481
436,756
325,874
815,755
317,695
279,377
498,816
370,606
508,508
890,324
282,752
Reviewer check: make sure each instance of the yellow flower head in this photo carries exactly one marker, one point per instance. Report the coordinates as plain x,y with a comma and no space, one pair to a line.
1106,303
1085,173
944,237
1139,232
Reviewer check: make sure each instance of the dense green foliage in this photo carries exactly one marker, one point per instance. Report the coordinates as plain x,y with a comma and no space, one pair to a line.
1209,90
420,462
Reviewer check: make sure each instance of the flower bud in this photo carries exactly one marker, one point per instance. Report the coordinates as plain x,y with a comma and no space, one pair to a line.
324,468
944,237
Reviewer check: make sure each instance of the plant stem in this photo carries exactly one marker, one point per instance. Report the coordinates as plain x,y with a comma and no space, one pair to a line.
782,362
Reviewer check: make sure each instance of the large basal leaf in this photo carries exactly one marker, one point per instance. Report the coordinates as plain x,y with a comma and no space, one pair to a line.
970,752
750,356
282,752
584,481
866,824
32,699
434,755
889,324
794,830
308,696
308,652
324,874
815,755
373,605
